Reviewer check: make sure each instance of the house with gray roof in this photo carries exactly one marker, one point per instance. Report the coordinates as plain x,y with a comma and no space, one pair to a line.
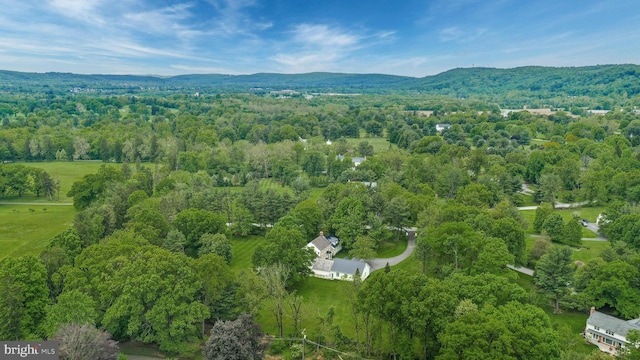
346,269
326,267
608,332
325,246
340,269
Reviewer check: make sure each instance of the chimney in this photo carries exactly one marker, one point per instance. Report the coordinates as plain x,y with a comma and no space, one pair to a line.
321,233
593,309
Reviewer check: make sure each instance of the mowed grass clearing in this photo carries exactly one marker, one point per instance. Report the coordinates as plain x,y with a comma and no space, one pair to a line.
26,229
379,144
242,250
67,172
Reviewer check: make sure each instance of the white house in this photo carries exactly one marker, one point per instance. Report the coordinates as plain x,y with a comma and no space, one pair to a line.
345,269
609,332
340,269
355,160
441,127
325,247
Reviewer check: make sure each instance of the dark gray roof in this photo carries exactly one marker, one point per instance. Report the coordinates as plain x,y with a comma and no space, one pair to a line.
321,243
346,266
612,323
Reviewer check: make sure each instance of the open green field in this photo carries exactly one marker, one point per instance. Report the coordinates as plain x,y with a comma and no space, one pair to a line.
67,172
243,249
379,144
26,229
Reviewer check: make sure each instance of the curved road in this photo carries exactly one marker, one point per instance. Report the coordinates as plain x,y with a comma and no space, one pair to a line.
380,263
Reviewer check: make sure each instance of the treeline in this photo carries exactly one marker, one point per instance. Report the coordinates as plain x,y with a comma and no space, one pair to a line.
18,180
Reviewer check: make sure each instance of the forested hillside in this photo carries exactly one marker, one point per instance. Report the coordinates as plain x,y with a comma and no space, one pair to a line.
600,87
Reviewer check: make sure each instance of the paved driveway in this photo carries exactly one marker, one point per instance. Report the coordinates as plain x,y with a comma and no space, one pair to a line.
380,263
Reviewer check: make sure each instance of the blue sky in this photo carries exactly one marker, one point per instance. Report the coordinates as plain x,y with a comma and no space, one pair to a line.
410,37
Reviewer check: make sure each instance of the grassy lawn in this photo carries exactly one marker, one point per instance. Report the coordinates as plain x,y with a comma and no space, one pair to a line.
243,249
380,145
412,265
388,249
66,171
590,250
26,229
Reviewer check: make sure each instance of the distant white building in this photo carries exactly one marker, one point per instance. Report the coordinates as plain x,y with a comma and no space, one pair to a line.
442,127
355,160
598,112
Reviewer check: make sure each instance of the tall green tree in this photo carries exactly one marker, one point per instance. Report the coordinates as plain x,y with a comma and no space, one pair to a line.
72,307
554,274
554,227
24,297
511,331
348,220
572,232
216,244
239,339
285,246
193,223
542,212
511,232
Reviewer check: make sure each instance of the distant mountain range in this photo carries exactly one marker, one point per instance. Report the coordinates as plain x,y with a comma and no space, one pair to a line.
489,83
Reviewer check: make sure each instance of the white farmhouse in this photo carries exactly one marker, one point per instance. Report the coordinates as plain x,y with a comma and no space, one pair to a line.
609,332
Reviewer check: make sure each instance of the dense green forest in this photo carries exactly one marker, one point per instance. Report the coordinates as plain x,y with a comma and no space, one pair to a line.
156,255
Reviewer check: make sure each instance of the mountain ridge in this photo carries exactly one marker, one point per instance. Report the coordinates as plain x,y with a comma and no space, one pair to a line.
622,80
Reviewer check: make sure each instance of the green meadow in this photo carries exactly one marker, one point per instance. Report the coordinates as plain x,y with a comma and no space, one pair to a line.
379,144
26,229
67,172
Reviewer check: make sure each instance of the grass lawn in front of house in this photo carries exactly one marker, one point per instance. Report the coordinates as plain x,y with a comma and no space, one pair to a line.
391,248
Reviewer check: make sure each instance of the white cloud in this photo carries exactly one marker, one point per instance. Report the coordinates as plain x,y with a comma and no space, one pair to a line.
455,33
314,36
316,47
84,10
